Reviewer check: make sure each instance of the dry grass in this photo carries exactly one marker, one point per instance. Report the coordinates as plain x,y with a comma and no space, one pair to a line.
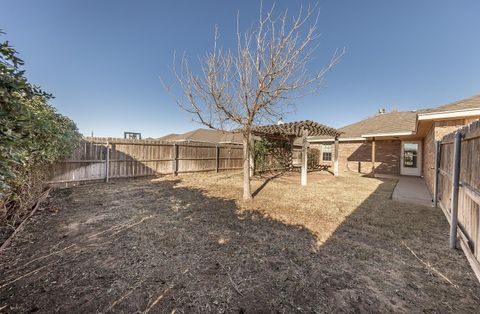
321,206
187,244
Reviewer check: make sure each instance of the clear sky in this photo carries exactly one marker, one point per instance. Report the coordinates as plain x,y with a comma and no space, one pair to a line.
102,59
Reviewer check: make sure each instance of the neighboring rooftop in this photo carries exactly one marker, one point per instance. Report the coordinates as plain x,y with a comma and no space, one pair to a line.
205,136
168,137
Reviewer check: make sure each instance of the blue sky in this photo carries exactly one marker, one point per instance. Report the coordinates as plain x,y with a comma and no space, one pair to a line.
102,59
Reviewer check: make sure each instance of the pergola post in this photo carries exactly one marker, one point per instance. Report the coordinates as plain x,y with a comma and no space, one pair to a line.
304,157
298,129
373,156
335,158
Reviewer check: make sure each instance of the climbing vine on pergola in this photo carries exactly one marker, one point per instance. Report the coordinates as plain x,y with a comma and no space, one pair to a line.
290,131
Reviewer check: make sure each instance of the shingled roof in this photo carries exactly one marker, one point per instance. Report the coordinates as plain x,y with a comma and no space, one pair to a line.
399,121
295,129
464,104
392,122
205,136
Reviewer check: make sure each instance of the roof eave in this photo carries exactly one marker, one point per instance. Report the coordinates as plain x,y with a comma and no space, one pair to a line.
341,139
449,114
388,134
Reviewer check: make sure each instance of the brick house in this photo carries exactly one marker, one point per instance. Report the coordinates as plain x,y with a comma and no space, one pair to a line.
397,143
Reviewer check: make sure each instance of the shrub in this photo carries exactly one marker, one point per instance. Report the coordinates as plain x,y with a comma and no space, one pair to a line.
272,155
313,158
32,136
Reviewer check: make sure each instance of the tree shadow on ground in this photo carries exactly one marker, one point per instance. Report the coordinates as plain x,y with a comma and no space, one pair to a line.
285,176
140,245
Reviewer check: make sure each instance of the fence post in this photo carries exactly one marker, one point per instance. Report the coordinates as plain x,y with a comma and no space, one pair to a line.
217,158
107,162
437,173
455,186
175,159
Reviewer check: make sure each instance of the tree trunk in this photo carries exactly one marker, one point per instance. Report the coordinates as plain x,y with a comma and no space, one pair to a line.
247,195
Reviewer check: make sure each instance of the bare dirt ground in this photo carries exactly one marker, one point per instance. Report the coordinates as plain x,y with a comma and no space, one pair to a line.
186,244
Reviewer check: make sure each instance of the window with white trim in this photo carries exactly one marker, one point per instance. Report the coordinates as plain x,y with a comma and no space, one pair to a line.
327,152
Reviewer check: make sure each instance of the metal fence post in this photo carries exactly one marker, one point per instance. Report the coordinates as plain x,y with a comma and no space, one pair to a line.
107,162
437,173
175,159
457,146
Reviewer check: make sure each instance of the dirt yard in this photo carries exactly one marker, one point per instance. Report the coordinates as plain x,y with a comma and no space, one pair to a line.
186,244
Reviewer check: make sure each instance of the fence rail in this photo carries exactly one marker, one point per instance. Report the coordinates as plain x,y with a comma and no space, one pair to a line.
457,189
105,158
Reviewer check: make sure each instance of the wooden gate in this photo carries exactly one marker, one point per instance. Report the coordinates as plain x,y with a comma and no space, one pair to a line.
457,189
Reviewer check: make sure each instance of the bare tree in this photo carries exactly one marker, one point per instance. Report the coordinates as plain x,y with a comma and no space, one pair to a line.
256,82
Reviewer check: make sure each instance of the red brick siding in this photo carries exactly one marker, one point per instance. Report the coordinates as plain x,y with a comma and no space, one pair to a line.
442,128
357,156
428,164
388,156
437,132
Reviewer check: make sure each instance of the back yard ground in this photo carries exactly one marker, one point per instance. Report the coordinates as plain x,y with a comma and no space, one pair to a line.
186,244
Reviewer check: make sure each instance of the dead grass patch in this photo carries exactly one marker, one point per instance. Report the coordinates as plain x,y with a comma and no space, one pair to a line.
188,244
321,206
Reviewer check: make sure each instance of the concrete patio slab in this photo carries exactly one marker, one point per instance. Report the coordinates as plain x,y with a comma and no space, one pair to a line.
412,190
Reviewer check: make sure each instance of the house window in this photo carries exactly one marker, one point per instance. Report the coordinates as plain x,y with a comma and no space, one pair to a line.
327,152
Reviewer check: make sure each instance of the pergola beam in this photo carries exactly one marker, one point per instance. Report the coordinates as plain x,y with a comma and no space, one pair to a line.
296,129
302,129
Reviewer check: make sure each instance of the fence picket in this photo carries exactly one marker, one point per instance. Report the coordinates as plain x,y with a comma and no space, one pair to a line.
465,199
106,158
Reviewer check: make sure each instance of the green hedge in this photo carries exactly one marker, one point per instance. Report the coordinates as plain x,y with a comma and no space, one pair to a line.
32,136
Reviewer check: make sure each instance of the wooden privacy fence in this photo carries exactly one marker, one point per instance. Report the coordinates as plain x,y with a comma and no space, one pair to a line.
457,188
104,158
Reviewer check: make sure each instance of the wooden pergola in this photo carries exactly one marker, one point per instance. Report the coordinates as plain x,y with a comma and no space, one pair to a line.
303,129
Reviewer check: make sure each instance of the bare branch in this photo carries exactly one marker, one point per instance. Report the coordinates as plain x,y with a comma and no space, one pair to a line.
257,81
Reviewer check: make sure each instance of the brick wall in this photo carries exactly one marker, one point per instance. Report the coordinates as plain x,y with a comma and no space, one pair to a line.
318,146
442,128
428,164
357,156
388,154
438,130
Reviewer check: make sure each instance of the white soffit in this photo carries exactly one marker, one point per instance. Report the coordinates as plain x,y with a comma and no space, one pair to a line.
388,134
